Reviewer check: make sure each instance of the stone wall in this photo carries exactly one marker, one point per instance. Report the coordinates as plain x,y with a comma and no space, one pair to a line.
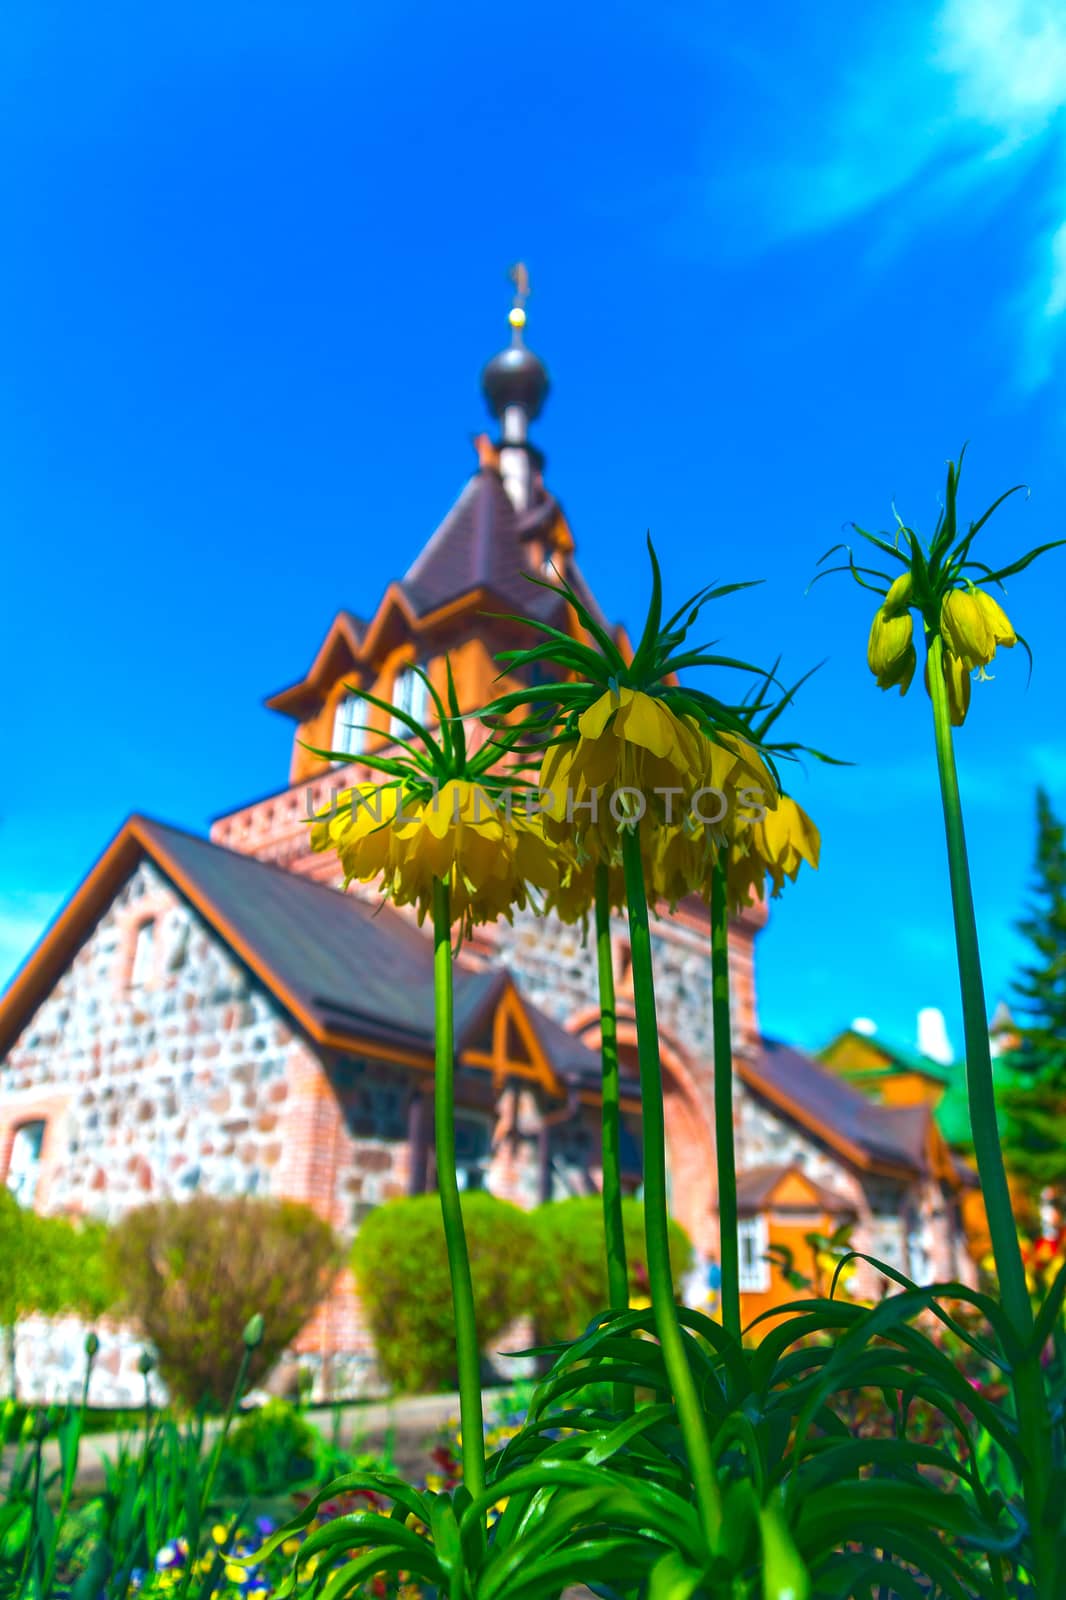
177,1084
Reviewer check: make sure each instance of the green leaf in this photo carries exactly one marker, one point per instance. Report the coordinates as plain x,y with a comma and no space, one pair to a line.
674,1578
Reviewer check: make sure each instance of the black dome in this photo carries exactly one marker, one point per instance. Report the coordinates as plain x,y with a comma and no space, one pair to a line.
516,377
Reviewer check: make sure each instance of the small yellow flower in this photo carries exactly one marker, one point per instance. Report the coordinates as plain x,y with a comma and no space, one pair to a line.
966,628
290,1547
1000,624
957,678
219,1533
784,839
898,598
234,1573
890,652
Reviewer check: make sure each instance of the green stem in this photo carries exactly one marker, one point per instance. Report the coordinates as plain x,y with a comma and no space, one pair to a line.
656,1221
723,1100
613,1228
468,1359
617,1270
1030,1399
220,1438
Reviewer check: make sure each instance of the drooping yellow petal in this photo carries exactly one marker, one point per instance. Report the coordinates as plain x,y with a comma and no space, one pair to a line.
965,628
997,620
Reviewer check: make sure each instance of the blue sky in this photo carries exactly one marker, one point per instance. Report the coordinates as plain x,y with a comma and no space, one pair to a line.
784,263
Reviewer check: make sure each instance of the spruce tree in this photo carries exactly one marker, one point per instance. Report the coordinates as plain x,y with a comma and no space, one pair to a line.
1032,1093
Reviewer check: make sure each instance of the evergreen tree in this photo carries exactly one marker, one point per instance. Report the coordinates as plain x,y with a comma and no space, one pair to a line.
1032,1093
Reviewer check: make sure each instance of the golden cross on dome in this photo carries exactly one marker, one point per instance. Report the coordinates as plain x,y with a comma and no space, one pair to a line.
520,278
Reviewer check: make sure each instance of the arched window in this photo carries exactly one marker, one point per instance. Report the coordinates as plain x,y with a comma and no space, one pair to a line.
24,1167
348,722
408,694
143,955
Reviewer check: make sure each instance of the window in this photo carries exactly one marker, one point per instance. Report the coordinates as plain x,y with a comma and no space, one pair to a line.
752,1244
473,1146
408,694
348,719
920,1251
143,953
24,1168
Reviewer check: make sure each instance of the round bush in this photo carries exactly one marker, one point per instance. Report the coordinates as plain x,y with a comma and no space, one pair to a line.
571,1236
401,1268
193,1274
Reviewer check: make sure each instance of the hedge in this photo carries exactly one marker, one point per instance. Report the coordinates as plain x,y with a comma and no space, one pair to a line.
401,1269
547,1262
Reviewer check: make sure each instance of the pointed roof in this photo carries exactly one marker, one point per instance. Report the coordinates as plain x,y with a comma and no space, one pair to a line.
354,978
481,545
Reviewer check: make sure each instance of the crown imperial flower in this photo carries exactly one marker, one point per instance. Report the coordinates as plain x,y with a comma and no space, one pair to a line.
965,628
890,652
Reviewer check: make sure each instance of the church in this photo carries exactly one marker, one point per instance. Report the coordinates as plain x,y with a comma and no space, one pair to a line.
217,1014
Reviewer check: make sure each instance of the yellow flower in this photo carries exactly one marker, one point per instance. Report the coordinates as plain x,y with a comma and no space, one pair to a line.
898,598
958,681
774,848
1000,624
626,740
219,1533
461,835
966,628
458,831
361,829
234,1573
785,838
290,1547
890,652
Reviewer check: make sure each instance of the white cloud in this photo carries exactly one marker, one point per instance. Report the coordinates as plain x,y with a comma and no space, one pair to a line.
933,112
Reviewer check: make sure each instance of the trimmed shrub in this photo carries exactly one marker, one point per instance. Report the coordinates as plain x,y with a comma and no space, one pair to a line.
571,1237
193,1273
401,1268
51,1265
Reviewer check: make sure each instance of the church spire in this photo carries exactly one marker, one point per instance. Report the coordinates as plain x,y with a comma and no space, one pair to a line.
515,385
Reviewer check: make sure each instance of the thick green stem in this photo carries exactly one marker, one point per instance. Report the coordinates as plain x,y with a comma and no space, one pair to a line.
656,1221
1031,1401
467,1352
613,1227
614,1232
723,1100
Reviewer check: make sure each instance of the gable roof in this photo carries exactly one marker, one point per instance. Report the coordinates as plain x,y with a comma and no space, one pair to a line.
340,646
897,1057
757,1186
895,1141
355,978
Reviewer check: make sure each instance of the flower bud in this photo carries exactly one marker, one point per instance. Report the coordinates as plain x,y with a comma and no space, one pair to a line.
92,1346
253,1331
145,1363
965,628
898,598
957,678
891,652
996,618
